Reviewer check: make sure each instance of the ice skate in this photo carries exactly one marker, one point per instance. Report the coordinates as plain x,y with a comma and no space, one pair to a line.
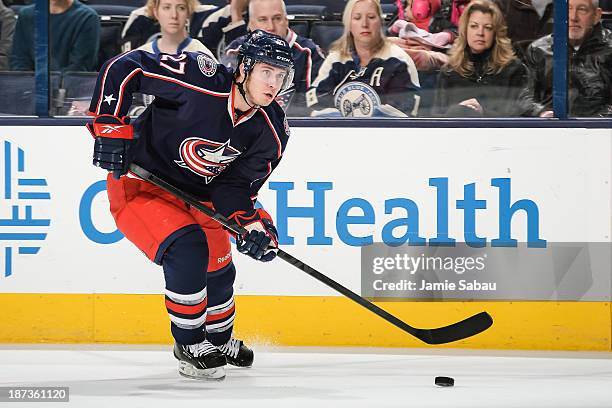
236,353
201,361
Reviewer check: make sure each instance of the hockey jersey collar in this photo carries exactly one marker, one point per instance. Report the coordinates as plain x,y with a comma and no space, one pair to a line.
232,112
291,37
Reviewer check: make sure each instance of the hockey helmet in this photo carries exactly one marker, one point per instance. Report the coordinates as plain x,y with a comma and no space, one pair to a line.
260,46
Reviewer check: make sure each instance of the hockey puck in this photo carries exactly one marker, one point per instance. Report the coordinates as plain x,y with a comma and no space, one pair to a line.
444,381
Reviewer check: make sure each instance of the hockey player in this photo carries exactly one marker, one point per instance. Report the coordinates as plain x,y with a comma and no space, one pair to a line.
217,135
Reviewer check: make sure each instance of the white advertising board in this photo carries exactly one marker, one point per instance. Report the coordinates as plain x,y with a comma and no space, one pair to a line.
335,190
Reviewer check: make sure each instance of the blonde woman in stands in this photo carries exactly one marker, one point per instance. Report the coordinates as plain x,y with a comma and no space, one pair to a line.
173,17
365,74
483,77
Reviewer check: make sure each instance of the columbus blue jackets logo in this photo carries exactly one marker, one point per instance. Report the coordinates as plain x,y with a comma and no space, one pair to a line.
206,158
356,99
207,65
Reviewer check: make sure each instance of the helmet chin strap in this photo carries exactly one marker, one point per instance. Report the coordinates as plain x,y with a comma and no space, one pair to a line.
242,91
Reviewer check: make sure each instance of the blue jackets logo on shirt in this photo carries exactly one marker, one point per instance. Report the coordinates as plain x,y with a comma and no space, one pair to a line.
356,99
206,158
207,65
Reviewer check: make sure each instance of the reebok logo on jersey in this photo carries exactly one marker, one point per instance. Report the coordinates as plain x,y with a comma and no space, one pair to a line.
224,258
206,158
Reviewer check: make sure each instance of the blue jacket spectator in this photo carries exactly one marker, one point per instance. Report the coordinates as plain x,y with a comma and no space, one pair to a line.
364,74
74,37
207,24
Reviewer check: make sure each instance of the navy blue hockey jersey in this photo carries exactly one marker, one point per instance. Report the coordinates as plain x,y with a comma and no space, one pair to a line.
387,85
218,30
191,135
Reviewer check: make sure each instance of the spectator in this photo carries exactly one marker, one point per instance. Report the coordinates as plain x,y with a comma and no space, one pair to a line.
7,28
427,50
224,26
74,37
590,64
421,12
142,26
483,76
173,17
271,16
527,20
365,74
448,15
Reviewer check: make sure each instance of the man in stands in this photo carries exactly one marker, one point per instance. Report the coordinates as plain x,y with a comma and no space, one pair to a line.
590,64
74,37
271,16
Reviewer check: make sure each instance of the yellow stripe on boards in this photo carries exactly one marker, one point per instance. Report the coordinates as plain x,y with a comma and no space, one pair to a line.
305,321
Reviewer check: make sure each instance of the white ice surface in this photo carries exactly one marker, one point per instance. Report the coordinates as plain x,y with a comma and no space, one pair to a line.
128,376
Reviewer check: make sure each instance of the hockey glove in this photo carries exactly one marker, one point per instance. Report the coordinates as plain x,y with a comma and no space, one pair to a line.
114,143
261,241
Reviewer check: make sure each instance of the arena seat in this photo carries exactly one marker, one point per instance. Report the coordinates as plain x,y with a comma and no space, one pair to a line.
113,10
606,6
18,92
306,11
300,27
323,33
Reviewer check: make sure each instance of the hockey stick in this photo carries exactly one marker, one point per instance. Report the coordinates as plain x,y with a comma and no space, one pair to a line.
457,331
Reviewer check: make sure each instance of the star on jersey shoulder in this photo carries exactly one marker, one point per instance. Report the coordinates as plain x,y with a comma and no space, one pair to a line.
109,99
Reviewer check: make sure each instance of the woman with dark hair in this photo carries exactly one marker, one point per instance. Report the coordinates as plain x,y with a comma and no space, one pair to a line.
483,77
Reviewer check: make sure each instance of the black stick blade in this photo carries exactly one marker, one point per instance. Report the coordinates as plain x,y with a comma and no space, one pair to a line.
456,331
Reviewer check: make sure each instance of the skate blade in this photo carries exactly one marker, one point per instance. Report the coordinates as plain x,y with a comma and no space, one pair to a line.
208,374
